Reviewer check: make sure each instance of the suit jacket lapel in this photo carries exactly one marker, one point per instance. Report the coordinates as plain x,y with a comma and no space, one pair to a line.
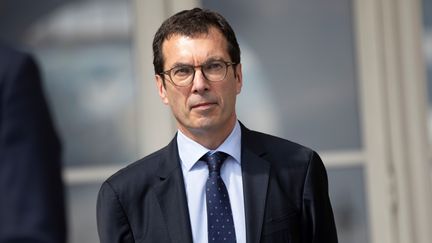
171,195
255,171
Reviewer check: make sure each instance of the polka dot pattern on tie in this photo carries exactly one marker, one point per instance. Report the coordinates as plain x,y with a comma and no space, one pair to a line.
219,215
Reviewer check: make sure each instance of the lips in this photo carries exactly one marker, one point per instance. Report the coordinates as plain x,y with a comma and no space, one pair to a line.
203,105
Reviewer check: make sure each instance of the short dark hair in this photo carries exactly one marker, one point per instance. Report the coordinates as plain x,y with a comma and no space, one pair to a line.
192,23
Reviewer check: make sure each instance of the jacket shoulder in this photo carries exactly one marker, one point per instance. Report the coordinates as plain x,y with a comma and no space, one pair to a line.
276,145
141,173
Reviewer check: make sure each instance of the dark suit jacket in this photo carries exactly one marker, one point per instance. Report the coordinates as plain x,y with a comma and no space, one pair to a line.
31,201
285,192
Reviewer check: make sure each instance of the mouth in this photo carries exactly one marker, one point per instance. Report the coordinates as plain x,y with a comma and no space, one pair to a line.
204,105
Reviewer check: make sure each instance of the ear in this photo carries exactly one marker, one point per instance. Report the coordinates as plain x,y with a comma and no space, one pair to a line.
239,77
161,89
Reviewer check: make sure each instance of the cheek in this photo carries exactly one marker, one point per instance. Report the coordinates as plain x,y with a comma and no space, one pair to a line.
177,102
230,99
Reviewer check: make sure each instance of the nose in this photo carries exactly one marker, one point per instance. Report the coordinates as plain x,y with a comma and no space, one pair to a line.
200,84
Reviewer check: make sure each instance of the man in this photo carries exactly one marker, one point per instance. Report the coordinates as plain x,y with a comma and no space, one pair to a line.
31,201
216,181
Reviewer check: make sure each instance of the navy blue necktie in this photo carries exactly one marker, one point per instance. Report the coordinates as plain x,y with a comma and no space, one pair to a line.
220,222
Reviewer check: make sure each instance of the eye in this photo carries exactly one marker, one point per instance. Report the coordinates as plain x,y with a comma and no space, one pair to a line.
214,66
182,71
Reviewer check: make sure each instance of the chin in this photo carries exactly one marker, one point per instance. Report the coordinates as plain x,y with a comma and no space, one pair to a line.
205,124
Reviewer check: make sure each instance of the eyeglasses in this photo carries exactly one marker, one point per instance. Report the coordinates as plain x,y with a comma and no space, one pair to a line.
183,75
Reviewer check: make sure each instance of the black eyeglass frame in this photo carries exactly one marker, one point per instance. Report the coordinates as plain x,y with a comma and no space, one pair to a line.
168,72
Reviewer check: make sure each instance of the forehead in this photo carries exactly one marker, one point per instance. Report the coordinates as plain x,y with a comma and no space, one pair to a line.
194,49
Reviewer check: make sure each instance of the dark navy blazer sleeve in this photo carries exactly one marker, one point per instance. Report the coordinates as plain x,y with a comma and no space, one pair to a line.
318,223
113,225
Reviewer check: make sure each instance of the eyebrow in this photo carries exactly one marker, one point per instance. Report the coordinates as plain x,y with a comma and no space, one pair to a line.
211,59
180,64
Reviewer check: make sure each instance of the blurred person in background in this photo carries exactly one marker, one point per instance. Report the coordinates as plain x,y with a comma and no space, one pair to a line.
31,189
216,181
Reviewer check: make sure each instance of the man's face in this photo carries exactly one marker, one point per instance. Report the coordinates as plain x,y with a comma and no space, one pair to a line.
203,106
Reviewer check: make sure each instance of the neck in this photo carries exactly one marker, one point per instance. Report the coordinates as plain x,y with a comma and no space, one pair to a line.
210,138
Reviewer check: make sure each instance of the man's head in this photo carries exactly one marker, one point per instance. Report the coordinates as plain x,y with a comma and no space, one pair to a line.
192,23
194,54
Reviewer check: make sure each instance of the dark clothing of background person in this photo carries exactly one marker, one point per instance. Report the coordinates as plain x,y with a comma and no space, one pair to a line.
31,201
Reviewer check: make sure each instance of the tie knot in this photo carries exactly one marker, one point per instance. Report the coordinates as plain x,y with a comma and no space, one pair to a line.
214,161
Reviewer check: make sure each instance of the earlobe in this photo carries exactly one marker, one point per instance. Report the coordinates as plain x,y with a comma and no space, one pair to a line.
161,89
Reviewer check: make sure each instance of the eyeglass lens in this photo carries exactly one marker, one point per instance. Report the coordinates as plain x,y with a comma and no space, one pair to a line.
212,71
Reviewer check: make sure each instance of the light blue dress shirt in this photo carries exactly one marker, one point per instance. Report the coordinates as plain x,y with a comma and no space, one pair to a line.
195,174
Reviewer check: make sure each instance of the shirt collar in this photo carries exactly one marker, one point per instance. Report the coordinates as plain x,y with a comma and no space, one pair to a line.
190,151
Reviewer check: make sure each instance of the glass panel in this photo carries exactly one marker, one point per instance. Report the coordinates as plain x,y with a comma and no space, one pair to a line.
92,97
82,213
298,68
347,193
85,52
